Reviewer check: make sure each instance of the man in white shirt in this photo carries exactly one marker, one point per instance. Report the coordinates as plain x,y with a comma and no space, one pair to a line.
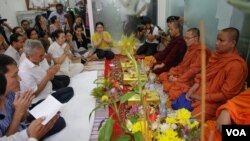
16,44
35,74
38,5
33,64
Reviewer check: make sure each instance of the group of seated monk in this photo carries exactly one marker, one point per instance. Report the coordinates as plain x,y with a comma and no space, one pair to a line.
179,70
178,66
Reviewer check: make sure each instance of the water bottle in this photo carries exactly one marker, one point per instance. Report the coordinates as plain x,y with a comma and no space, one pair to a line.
152,81
162,106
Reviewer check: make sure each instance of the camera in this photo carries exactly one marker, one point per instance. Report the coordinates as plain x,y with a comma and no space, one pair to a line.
162,33
2,20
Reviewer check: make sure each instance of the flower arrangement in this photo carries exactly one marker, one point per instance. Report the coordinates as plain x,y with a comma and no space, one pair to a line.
177,126
142,121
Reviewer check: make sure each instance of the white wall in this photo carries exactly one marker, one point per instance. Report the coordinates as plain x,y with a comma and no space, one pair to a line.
167,8
8,9
161,12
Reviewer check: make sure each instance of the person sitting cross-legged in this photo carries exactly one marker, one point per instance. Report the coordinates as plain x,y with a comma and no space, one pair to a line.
226,73
16,104
173,53
35,131
235,111
102,40
180,78
62,55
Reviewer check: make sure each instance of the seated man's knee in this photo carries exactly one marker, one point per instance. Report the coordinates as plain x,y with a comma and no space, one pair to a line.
109,55
100,54
66,80
58,126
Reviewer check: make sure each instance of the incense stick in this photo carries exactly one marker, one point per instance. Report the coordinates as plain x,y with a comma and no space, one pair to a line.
203,78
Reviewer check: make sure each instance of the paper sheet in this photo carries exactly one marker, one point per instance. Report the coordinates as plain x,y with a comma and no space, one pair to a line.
48,108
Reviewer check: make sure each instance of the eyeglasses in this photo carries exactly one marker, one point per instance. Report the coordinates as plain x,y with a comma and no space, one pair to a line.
188,38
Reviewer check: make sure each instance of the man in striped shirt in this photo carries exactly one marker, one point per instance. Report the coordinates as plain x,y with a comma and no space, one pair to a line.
14,107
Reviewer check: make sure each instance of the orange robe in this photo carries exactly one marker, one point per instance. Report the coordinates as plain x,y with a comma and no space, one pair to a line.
185,72
225,76
239,109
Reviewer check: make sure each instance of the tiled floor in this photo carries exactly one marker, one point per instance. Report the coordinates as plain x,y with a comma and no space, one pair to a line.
100,114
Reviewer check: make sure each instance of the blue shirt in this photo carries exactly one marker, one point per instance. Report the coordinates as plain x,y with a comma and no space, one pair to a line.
8,112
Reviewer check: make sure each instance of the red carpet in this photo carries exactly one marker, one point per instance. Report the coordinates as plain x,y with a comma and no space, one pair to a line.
113,74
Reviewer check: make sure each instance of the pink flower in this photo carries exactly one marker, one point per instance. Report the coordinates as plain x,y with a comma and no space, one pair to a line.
113,91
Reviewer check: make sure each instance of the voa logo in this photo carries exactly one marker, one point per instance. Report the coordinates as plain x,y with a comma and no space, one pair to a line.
236,132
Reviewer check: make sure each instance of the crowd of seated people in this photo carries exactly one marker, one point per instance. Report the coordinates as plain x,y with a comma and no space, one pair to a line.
39,61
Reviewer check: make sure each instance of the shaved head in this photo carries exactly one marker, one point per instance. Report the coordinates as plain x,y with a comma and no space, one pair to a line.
233,34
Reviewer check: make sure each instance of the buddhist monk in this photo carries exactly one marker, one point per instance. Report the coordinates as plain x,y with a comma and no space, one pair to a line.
235,111
179,79
226,72
173,53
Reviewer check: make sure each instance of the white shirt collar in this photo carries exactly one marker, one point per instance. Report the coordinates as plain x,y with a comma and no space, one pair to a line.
29,63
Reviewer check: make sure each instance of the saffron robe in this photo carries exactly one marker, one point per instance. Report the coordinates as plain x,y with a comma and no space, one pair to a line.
239,109
225,76
185,72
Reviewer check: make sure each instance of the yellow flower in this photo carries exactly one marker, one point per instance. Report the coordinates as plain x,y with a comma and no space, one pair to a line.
140,126
193,124
171,120
105,98
183,116
126,43
169,135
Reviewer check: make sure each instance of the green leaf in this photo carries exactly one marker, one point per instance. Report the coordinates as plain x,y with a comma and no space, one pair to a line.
97,92
123,138
138,136
125,97
97,107
133,119
143,83
106,131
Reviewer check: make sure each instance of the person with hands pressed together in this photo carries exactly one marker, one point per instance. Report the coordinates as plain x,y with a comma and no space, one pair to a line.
35,131
102,41
33,64
62,55
13,107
